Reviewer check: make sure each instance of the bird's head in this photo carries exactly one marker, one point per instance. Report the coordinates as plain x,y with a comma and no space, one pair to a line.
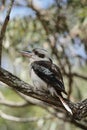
37,54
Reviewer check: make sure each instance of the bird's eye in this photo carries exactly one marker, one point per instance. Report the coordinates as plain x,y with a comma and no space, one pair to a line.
36,53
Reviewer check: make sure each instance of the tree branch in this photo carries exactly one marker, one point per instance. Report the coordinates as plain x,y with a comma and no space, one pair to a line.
13,104
4,26
79,109
79,76
25,119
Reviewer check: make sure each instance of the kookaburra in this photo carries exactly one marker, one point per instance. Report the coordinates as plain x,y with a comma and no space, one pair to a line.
45,74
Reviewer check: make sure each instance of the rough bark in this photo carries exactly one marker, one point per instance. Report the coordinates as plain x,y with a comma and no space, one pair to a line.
79,109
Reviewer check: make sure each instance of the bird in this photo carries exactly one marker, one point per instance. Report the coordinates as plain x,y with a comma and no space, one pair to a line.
46,75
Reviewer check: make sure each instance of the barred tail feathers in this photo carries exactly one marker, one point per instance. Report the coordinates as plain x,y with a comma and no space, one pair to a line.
65,105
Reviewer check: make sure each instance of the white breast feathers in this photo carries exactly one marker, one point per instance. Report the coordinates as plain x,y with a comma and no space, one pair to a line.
37,82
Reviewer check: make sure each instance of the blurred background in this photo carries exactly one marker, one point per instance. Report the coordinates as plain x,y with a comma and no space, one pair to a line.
60,27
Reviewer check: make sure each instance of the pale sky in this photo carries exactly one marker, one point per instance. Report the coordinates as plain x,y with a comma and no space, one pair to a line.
23,11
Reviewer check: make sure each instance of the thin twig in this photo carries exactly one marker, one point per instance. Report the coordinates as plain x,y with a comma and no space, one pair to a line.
13,104
80,76
4,26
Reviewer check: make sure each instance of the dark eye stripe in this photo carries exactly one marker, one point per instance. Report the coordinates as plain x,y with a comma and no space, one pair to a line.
41,55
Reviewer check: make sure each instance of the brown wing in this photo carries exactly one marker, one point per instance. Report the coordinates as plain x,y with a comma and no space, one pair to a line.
58,75
50,73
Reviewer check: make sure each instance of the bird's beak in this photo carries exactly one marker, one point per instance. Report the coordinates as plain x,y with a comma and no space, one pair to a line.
28,54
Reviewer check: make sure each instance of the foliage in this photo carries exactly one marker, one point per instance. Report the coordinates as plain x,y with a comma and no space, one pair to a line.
61,29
